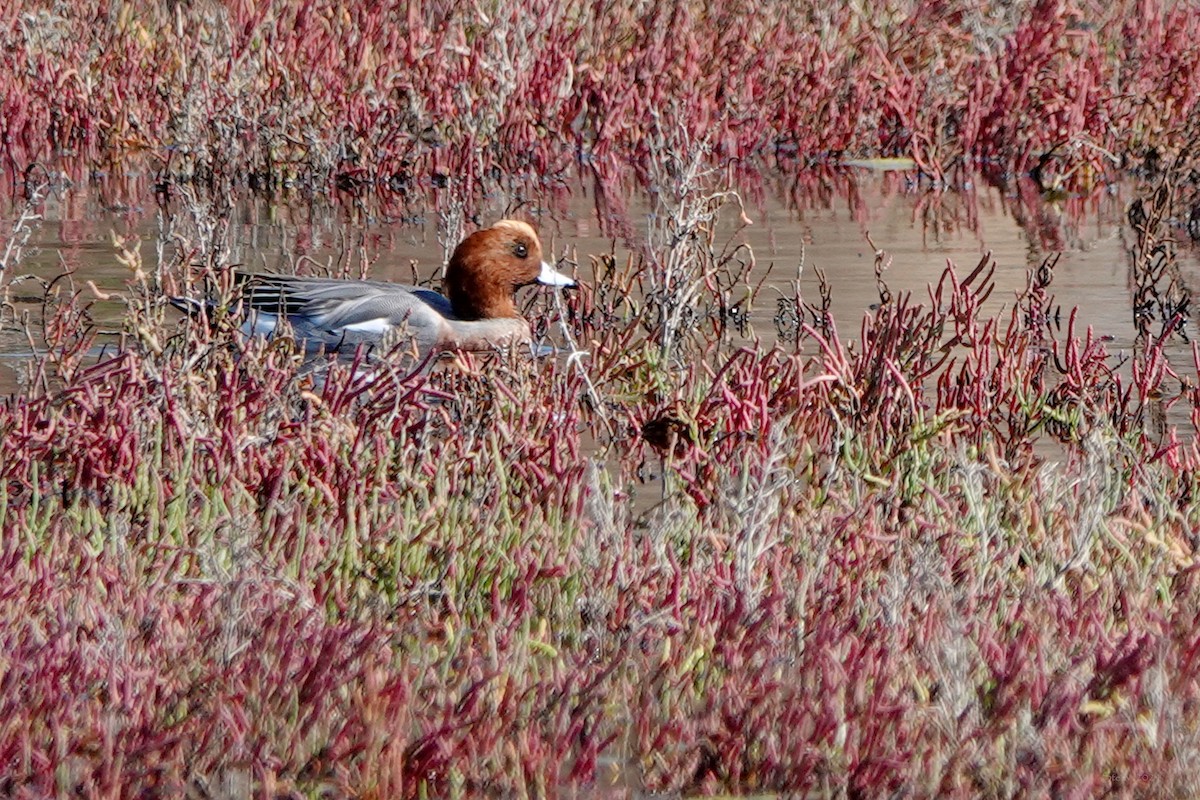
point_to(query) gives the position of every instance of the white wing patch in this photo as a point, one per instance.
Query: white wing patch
(378, 326)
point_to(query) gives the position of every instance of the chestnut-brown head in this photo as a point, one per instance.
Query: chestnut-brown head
(489, 266)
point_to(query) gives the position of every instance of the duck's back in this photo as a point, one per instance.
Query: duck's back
(337, 316)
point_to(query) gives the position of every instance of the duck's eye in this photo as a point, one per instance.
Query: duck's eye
(520, 250)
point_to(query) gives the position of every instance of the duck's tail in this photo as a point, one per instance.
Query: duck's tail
(192, 307)
(207, 307)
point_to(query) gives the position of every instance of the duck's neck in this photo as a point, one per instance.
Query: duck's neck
(476, 306)
(477, 295)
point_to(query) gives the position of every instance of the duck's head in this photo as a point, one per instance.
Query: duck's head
(490, 265)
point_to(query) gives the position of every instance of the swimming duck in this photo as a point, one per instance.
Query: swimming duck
(477, 312)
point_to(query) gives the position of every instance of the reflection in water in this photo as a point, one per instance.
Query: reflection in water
(802, 221)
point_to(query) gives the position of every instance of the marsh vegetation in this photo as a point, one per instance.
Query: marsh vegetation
(943, 549)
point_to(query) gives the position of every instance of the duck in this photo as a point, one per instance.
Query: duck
(477, 311)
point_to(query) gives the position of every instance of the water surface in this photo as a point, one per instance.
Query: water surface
(799, 223)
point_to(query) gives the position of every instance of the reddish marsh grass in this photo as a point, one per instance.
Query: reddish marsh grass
(861, 578)
(219, 578)
(382, 95)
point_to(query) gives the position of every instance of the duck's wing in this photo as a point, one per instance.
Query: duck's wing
(335, 315)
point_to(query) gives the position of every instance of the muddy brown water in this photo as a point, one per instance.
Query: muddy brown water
(799, 224)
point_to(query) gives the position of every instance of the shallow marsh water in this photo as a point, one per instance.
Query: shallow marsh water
(799, 224)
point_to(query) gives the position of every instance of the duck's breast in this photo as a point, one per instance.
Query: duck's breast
(486, 334)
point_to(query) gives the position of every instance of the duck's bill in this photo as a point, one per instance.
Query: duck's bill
(552, 277)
